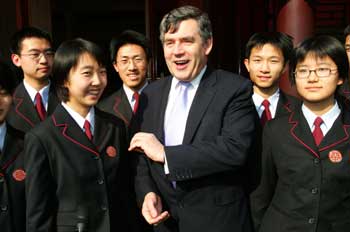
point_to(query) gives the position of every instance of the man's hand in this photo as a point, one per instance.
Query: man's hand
(152, 209)
(148, 144)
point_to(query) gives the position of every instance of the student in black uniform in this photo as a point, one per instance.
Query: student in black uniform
(12, 174)
(267, 56)
(305, 162)
(75, 159)
(34, 98)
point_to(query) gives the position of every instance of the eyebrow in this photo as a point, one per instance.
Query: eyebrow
(38, 50)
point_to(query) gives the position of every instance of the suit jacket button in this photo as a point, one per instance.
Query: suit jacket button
(3, 208)
(100, 181)
(103, 208)
(316, 161)
(311, 220)
(314, 190)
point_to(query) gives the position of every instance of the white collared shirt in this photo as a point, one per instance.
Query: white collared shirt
(44, 92)
(2, 135)
(328, 118)
(129, 93)
(273, 99)
(172, 98)
(81, 120)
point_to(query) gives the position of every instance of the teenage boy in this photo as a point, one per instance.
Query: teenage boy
(267, 55)
(35, 97)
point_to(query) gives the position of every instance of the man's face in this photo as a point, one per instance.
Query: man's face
(185, 52)
(265, 66)
(347, 46)
(35, 58)
(131, 64)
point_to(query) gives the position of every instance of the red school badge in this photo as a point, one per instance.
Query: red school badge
(111, 151)
(19, 175)
(335, 156)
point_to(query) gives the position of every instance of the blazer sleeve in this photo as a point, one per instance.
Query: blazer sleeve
(262, 196)
(217, 150)
(40, 187)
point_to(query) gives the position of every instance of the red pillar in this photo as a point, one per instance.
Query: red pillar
(295, 18)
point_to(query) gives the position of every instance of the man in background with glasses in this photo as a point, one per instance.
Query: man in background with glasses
(34, 98)
(130, 53)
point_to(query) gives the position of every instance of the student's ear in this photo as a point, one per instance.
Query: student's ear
(16, 60)
(340, 81)
(246, 63)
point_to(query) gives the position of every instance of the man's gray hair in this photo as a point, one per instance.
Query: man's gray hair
(170, 22)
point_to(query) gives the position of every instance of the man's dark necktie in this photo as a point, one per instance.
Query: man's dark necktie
(266, 115)
(39, 106)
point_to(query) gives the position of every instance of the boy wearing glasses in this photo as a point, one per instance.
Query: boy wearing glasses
(34, 98)
(130, 53)
(305, 162)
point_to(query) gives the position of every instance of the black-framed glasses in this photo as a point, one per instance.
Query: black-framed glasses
(138, 60)
(304, 73)
(36, 55)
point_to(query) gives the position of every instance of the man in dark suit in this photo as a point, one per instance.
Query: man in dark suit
(35, 97)
(267, 55)
(12, 174)
(197, 128)
(130, 54)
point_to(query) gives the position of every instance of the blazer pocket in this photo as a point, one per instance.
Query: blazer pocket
(228, 196)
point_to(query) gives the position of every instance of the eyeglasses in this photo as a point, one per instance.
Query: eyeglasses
(124, 62)
(36, 55)
(304, 73)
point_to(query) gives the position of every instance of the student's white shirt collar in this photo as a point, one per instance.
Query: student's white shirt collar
(328, 118)
(3, 130)
(81, 120)
(273, 99)
(44, 92)
(129, 93)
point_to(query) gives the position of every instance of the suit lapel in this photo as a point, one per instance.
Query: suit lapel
(301, 132)
(71, 131)
(121, 106)
(283, 105)
(202, 99)
(12, 148)
(102, 132)
(163, 98)
(339, 132)
(24, 106)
